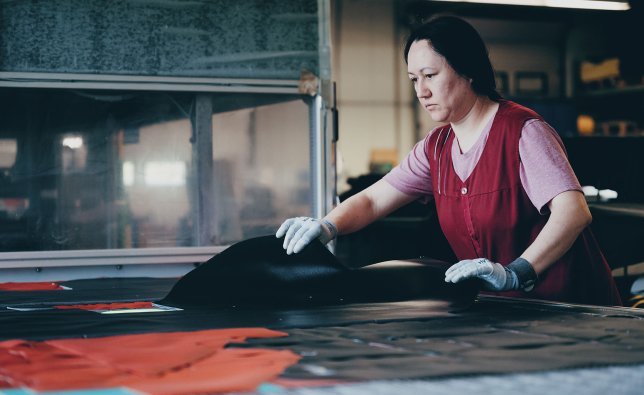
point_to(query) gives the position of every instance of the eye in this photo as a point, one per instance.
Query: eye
(413, 80)
(429, 76)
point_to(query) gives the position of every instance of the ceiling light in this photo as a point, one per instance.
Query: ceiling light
(582, 4)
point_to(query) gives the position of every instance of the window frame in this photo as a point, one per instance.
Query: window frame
(322, 180)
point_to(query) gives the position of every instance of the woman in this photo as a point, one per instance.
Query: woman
(507, 199)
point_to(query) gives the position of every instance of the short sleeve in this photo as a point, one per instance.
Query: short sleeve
(545, 170)
(412, 175)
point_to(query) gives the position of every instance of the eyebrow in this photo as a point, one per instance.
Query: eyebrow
(431, 70)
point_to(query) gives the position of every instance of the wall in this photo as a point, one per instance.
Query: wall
(525, 46)
(374, 94)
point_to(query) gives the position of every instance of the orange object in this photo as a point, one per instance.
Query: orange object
(37, 286)
(155, 363)
(585, 124)
(106, 306)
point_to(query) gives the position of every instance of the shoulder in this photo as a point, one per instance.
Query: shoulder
(513, 110)
(514, 116)
(538, 132)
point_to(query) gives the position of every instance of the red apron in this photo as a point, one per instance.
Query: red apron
(489, 215)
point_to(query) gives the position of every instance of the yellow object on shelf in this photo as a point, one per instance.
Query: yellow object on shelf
(591, 72)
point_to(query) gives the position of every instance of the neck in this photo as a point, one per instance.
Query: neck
(475, 119)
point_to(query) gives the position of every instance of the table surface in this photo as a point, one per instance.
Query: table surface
(374, 343)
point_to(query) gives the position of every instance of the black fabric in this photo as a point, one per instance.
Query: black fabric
(258, 272)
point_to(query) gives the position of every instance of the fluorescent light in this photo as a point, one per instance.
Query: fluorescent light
(590, 4)
(73, 142)
(583, 4)
(128, 174)
(165, 174)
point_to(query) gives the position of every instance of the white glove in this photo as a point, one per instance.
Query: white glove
(494, 275)
(301, 231)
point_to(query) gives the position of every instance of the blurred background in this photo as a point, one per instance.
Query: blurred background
(134, 126)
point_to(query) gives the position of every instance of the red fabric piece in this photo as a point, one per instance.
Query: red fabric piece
(106, 306)
(155, 363)
(35, 286)
(489, 215)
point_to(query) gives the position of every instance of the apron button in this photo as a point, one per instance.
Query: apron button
(463, 191)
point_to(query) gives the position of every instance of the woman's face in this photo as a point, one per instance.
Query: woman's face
(446, 95)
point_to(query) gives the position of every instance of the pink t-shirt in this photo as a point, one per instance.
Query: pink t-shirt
(545, 171)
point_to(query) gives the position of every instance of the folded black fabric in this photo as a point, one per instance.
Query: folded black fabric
(258, 272)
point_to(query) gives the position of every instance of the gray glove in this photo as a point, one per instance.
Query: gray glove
(301, 231)
(517, 275)
(495, 277)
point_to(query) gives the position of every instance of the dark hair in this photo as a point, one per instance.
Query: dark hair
(463, 48)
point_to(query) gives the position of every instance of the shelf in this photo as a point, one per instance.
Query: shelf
(628, 90)
(618, 104)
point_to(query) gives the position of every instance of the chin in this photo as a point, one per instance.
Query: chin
(437, 117)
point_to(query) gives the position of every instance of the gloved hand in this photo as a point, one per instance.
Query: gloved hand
(301, 231)
(495, 277)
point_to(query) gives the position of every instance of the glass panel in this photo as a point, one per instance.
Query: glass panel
(109, 170)
(156, 207)
(261, 161)
(215, 38)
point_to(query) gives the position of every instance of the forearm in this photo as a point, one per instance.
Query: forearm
(569, 216)
(367, 206)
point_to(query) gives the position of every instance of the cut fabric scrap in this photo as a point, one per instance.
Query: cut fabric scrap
(154, 363)
(118, 308)
(106, 306)
(32, 286)
(156, 308)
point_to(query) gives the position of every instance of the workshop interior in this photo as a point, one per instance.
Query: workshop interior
(150, 149)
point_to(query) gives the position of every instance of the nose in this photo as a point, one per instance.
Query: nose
(422, 90)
